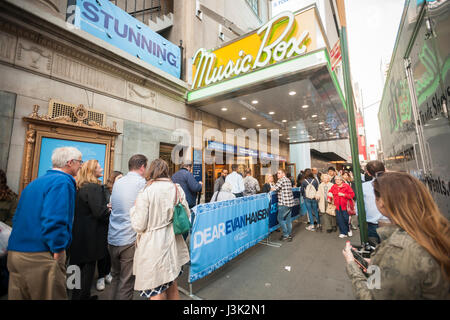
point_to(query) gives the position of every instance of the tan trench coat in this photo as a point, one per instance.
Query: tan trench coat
(159, 254)
(321, 196)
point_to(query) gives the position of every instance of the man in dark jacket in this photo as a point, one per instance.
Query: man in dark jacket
(186, 180)
(220, 180)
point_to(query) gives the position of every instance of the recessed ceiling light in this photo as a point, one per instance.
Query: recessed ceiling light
(283, 120)
(271, 112)
(288, 138)
(321, 122)
(291, 93)
(326, 129)
(314, 116)
(302, 131)
(258, 125)
(244, 118)
(294, 127)
(255, 101)
(224, 109)
(305, 106)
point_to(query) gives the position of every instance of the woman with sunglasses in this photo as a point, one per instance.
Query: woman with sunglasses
(413, 258)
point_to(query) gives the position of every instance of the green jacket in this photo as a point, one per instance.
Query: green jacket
(7, 210)
(407, 270)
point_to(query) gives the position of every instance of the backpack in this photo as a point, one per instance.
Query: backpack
(310, 191)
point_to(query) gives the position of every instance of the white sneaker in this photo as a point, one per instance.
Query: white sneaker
(101, 284)
(310, 228)
(342, 236)
(108, 278)
(350, 233)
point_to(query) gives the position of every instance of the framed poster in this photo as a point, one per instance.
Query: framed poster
(89, 150)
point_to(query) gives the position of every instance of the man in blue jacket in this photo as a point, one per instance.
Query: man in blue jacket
(187, 182)
(42, 231)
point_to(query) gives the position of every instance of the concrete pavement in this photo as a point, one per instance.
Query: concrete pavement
(310, 267)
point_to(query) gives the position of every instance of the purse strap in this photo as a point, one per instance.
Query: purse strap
(177, 199)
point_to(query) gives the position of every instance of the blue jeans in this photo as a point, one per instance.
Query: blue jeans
(313, 210)
(284, 218)
(342, 221)
(372, 231)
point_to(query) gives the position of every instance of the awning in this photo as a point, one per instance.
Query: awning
(300, 97)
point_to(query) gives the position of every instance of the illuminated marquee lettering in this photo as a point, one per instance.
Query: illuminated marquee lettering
(279, 49)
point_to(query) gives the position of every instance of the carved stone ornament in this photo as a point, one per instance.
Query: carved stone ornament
(80, 114)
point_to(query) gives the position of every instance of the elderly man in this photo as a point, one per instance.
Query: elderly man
(42, 231)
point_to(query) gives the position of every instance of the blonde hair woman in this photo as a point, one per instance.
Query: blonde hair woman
(326, 208)
(160, 253)
(414, 255)
(90, 226)
(268, 183)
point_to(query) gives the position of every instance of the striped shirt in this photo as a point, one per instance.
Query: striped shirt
(285, 195)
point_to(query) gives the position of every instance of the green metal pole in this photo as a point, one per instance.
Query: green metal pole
(353, 137)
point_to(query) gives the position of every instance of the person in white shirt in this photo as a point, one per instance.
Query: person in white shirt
(373, 215)
(236, 181)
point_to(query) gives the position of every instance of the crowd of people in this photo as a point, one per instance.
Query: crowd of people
(123, 227)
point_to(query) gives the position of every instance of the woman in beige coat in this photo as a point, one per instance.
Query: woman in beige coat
(160, 253)
(328, 216)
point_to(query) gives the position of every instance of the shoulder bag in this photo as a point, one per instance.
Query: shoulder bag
(181, 223)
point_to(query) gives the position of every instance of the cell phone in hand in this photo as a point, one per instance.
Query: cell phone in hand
(359, 259)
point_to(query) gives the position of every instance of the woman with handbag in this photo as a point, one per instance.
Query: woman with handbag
(160, 253)
(342, 194)
(326, 208)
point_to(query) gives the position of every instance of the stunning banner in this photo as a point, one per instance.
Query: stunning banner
(104, 20)
(222, 230)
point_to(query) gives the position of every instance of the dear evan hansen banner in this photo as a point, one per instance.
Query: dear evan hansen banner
(222, 230)
(108, 22)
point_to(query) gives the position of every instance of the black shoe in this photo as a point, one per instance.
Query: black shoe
(329, 230)
(289, 239)
(334, 229)
(93, 297)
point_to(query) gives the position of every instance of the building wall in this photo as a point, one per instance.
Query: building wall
(46, 60)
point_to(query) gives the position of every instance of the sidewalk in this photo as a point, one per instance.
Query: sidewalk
(314, 259)
(317, 270)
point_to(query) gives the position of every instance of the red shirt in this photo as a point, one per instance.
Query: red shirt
(339, 201)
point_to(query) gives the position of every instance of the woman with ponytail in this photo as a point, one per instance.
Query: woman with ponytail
(414, 255)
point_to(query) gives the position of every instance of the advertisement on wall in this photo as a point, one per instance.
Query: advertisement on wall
(108, 22)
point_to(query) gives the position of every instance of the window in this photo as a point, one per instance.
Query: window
(254, 5)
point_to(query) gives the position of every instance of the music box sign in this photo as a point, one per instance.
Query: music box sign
(284, 36)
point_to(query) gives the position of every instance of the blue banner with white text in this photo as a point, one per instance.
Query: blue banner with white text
(104, 20)
(223, 230)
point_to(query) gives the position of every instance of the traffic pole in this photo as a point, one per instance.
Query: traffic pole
(353, 137)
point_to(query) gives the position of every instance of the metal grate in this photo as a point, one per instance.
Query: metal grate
(58, 108)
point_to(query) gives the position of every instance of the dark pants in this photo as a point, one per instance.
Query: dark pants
(122, 285)
(372, 231)
(87, 277)
(104, 266)
(342, 221)
(4, 276)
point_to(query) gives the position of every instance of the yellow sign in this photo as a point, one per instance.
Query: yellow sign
(282, 37)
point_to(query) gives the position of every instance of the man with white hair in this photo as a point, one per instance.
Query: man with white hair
(42, 231)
